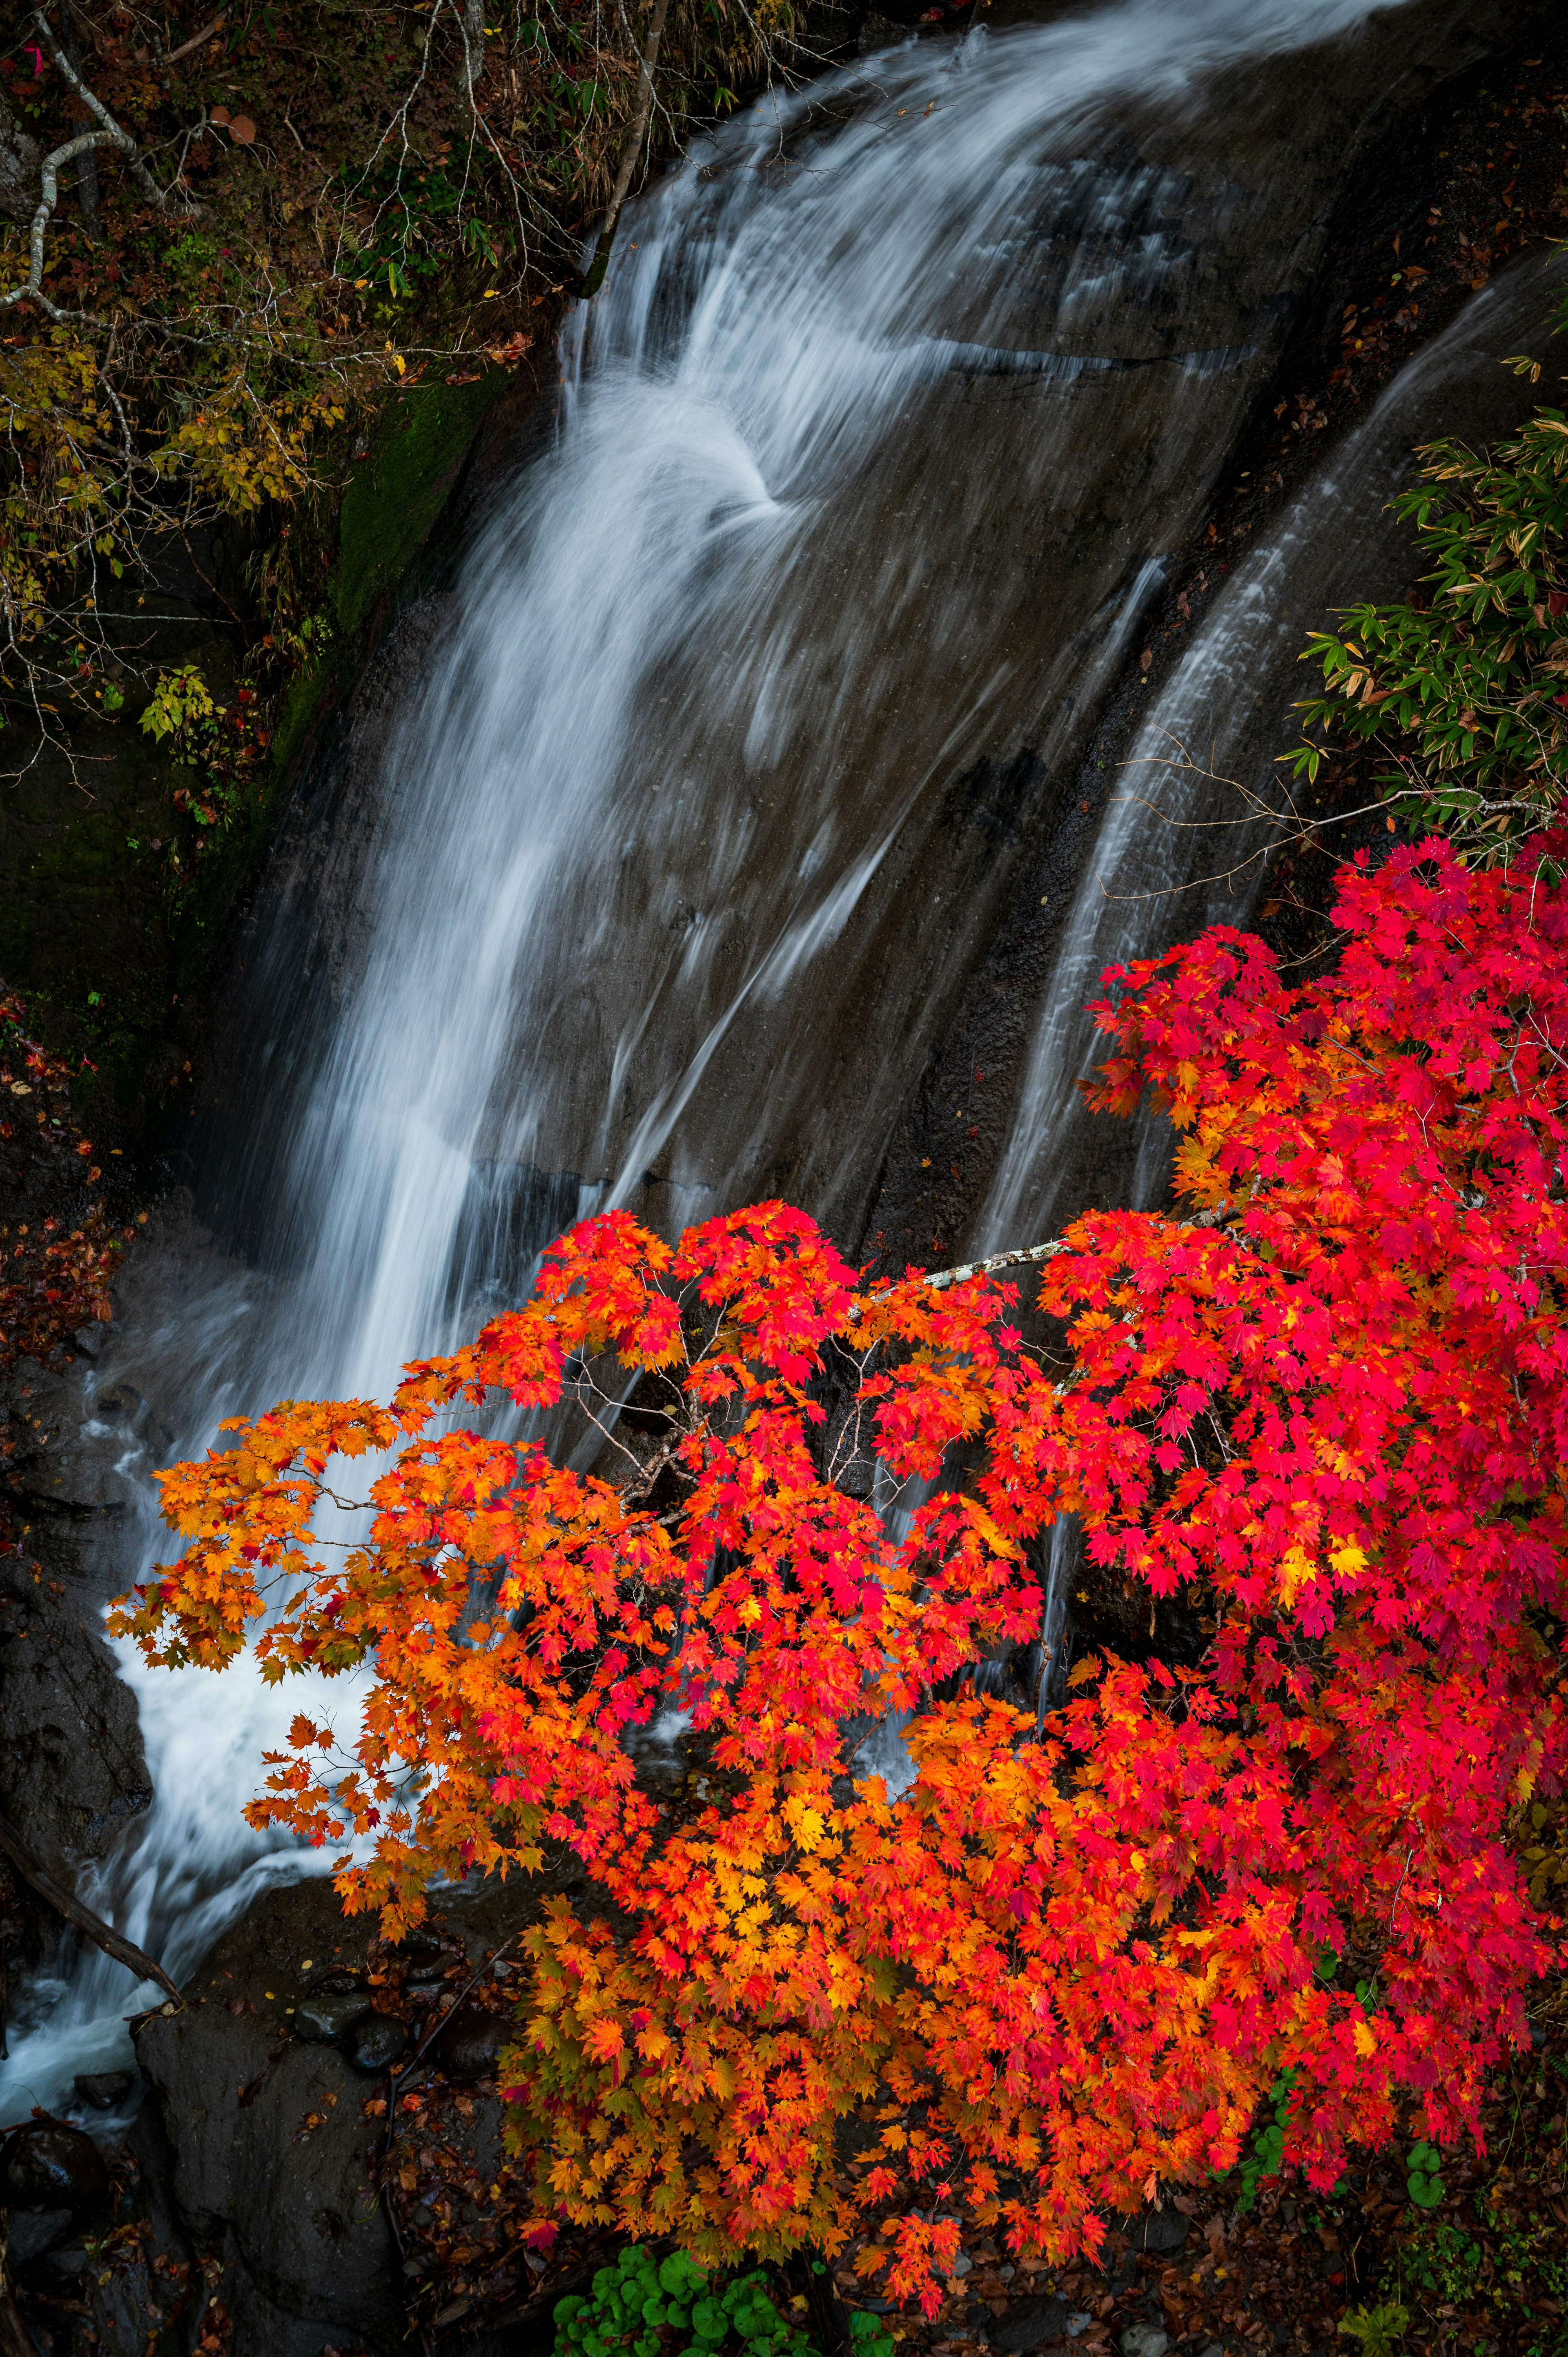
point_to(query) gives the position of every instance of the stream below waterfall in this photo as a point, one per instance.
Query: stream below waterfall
(869, 462)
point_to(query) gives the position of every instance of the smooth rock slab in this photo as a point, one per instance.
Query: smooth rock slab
(104, 2090)
(32, 2232)
(470, 2045)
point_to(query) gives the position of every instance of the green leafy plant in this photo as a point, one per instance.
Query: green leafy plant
(1469, 691)
(215, 745)
(634, 2303)
(1425, 2181)
(1267, 2156)
(1443, 2261)
(179, 704)
(1378, 2330)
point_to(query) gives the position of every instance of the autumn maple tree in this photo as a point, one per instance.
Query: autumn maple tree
(1320, 1406)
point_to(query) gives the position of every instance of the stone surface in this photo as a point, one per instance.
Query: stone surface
(323, 2017)
(376, 2041)
(1028, 2325)
(51, 2168)
(104, 2090)
(1153, 2229)
(266, 2141)
(72, 1772)
(1144, 2341)
(470, 2045)
(31, 2232)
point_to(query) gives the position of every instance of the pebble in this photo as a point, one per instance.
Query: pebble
(51, 2168)
(376, 2041)
(325, 2015)
(1144, 2341)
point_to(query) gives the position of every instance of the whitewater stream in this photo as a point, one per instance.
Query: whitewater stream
(867, 465)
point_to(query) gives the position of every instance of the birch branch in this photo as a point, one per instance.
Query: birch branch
(109, 134)
(633, 148)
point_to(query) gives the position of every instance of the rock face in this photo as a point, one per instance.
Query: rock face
(71, 1767)
(268, 2145)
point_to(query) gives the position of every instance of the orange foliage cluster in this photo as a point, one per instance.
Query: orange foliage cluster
(1325, 1408)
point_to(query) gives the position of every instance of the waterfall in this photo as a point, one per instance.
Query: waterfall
(864, 461)
(1178, 849)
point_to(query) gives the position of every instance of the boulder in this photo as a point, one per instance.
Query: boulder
(104, 2090)
(375, 2042)
(269, 2146)
(32, 2232)
(470, 2045)
(325, 2015)
(1153, 2229)
(51, 2168)
(72, 1771)
(1028, 2325)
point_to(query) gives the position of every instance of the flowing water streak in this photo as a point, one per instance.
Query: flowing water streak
(687, 569)
(1164, 866)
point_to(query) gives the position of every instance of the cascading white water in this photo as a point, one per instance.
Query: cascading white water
(713, 671)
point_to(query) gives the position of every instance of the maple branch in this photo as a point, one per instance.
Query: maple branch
(196, 40)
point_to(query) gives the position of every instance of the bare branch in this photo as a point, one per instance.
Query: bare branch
(633, 148)
(114, 134)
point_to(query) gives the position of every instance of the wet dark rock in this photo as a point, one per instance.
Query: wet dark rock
(427, 1971)
(34, 2232)
(72, 1771)
(1153, 2229)
(51, 2168)
(375, 2042)
(64, 2265)
(324, 2016)
(290, 2208)
(420, 1942)
(104, 2090)
(1028, 2325)
(470, 2045)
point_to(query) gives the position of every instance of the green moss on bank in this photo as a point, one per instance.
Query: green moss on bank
(398, 487)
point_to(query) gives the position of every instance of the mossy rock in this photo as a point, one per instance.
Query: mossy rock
(399, 483)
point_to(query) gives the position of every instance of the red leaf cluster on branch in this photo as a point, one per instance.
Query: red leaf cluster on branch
(1324, 1409)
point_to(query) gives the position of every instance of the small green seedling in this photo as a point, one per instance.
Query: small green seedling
(1378, 2330)
(1424, 2182)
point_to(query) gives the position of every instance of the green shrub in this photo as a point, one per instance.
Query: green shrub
(637, 2301)
(1468, 692)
